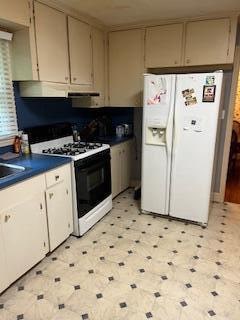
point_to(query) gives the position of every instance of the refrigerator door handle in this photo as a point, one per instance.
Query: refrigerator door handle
(169, 139)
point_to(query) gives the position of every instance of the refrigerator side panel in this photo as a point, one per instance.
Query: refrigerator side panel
(157, 142)
(195, 126)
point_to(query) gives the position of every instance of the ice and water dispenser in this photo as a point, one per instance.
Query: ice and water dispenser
(156, 132)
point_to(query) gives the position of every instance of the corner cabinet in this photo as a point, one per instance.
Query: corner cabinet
(52, 44)
(121, 162)
(126, 68)
(80, 51)
(164, 46)
(208, 42)
(23, 228)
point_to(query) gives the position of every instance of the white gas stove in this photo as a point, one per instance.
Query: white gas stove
(91, 171)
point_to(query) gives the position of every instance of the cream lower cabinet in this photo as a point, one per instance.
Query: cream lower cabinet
(121, 160)
(59, 205)
(28, 227)
(4, 278)
(23, 229)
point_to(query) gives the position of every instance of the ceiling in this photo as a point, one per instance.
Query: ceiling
(120, 12)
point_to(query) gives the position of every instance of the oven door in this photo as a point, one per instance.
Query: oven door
(93, 181)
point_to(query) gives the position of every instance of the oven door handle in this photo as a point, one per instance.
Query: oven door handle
(92, 167)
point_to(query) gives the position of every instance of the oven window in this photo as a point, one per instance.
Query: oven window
(95, 179)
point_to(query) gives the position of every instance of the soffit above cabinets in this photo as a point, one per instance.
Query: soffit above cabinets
(124, 12)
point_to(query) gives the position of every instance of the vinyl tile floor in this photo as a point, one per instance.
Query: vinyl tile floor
(136, 266)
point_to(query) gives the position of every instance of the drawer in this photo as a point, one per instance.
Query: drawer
(57, 175)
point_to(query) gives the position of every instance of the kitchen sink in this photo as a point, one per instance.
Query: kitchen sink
(7, 170)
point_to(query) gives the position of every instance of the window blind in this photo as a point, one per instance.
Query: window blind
(8, 118)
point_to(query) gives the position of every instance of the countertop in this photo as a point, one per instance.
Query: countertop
(113, 140)
(34, 164)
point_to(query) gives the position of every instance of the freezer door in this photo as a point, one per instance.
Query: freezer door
(195, 126)
(157, 142)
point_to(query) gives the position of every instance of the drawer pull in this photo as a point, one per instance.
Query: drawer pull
(57, 178)
(51, 195)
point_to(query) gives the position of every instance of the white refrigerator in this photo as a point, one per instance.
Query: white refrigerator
(180, 120)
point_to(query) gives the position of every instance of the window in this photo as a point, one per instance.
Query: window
(8, 118)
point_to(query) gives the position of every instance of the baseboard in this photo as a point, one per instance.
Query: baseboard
(217, 197)
(135, 183)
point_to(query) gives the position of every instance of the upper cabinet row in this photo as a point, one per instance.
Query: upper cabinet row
(205, 42)
(60, 49)
(133, 52)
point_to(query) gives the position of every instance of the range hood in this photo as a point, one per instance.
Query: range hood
(83, 94)
(43, 89)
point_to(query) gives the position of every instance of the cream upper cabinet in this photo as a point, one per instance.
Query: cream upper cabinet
(15, 11)
(163, 46)
(80, 50)
(207, 42)
(126, 67)
(52, 44)
(99, 72)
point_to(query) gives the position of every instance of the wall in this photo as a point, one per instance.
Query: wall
(40, 111)
(236, 115)
(227, 82)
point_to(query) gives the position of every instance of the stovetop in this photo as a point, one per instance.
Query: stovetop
(65, 147)
(73, 149)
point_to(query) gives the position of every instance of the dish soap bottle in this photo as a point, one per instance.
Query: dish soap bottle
(25, 144)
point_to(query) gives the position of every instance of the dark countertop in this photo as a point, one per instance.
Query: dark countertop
(113, 140)
(34, 164)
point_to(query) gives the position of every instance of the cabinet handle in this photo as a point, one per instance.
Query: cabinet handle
(51, 195)
(74, 79)
(7, 217)
(66, 78)
(56, 178)
(175, 62)
(188, 60)
(66, 191)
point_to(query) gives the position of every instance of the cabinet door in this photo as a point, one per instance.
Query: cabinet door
(4, 278)
(163, 47)
(99, 65)
(52, 44)
(80, 49)
(116, 170)
(58, 213)
(126, 157)
(24, 235)
(126, 67)
(207, 42)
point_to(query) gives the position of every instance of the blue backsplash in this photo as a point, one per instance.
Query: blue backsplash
(40, 111)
